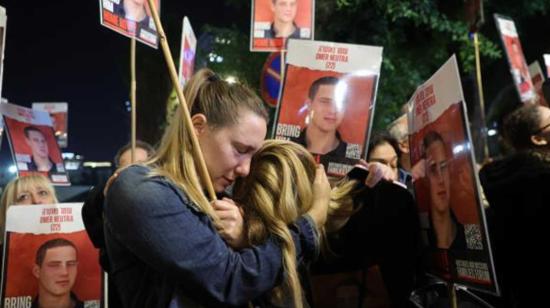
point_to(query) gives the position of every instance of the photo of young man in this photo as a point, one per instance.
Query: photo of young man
(273, 22)
(326, 113)
(56, 269)
(40, 158)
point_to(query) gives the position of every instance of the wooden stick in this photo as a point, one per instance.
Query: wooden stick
(202, 170)
(133, 87)
(481, 99)
(283, 67)
(452, 294)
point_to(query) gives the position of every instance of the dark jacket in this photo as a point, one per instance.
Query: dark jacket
(518, 191)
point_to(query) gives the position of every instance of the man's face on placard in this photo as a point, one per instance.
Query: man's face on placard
(57, 273)
(325, 114)
(37, 142)
(437, 169)
(284, 11)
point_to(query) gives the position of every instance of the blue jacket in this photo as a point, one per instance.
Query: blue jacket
(165, 252)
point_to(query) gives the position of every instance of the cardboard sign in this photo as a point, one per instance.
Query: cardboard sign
(538, 79)
(273, 22)
(60, 118)
(516, 59)
(547, 64)
(447, 188)
(3, 19)
(47, 251)
(33, 143)
(130, 18)
(187, 52)
(327, 100)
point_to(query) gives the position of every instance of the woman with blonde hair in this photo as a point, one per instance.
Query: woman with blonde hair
(279, 189)
(31, 189)
(164, 237)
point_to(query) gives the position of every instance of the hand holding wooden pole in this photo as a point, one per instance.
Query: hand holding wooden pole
(197, 154)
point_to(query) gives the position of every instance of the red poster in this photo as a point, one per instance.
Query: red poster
(273, 22)
(538, 79)
(187, 52)
(131, 18)
(49, 257)
(60, 117)
(327, 100)
(516, 59)
(447, 189)
(33, 144)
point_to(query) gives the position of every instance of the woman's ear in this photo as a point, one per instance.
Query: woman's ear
(200, 123)
(538, 140)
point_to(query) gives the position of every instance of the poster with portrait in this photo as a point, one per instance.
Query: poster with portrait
(327, 100)
(49, 257)
(447, 189)
(131, 18)
(516, 59)
(273, 22)
(59, 113)
(538, 79)
(547, 64)
(3, 20)
(33, 144)
(187, 52)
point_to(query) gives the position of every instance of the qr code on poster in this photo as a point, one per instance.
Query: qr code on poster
(473, 237)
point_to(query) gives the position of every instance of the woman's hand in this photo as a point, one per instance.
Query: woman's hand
(321, 197)
(231, 226)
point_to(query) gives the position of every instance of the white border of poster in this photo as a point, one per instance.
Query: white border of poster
(547, 64)
(30, 229)
(354, 72)
(58, 111)
(17, 120)
(187, 55)
(145, 31)
(516, 59)
(436, 106)
(261, 31)
(3, 24)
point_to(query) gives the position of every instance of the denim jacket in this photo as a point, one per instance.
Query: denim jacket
(165, 252)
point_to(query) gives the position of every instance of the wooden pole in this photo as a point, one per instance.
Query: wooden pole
(452, 295)
(133, 88)
(199, 159)
(283, 67)
(481, 99)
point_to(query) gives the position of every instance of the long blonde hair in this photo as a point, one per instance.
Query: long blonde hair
(17, 185)
(221, 104)
(277, 191)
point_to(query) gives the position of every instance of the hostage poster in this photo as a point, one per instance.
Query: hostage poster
(60, 117)
(33, 144)
(48, 257)
(187, 52)
(446, 184)
(274, 22)
(538, 79)
(327, 100)
(131, 18)
(516, 59)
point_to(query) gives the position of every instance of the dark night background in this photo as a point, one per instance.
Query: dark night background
(58, 51)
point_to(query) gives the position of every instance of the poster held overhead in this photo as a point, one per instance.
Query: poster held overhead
(48, 256)
(60, 117)
(273, 22)
(3, 20)
(547, 64)
(516, 59)
(327, 100)
(33, 144)
(451, 214)
(538, 79)
(187, 52)
(130, 18)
